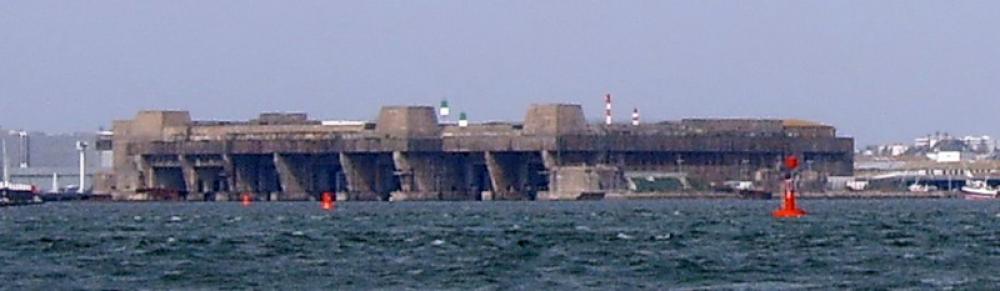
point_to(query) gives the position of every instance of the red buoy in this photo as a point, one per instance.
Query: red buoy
(246, 199)
(328, 203)
(788, 208)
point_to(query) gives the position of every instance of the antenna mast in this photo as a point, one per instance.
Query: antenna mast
(6, 170)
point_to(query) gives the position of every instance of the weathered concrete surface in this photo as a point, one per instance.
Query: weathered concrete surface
(507, 176)
(407, 155)
(407, 122)
(554, 119)
(361, 175)
(570, 182)
(295, 174)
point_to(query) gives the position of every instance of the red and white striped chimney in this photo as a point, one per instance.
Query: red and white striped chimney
(607, 109)
(635, 116)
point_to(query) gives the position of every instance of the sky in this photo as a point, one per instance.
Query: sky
(880, 71)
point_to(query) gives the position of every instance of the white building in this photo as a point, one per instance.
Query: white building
(980, 144)
(894, 149)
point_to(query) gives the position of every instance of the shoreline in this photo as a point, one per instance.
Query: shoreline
(619, 196)
(777, 196)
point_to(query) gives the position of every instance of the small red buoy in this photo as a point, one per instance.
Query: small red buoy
(328, 203)
(246, 199)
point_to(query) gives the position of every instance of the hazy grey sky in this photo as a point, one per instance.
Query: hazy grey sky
(878, 70)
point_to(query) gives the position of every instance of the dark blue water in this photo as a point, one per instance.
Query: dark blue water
(934, 244)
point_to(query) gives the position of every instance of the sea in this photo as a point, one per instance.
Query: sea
(588, 245)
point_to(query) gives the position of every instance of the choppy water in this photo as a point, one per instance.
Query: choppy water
(934, 244)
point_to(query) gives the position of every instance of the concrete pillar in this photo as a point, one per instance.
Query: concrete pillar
(404, 171)
(572, 182)
(255, 174)
(209, 189)
(504, 176)
(197, 182)
(361, 175)
(190, 174)
(549, 159)
(411, 186)
(498, 179)
(295, 176)
(146, 178)
(551, 163)
(429, 176)
(229, 168)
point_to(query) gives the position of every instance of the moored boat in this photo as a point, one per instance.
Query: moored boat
(980, 190)
(754, 194)
(921, 188)
(745, 190)
(18, 194)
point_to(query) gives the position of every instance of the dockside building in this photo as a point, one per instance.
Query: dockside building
(407, 154)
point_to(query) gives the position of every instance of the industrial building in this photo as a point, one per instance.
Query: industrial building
(51, 162)
(407, 154)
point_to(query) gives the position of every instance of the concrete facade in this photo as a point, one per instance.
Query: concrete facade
(407, 155)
